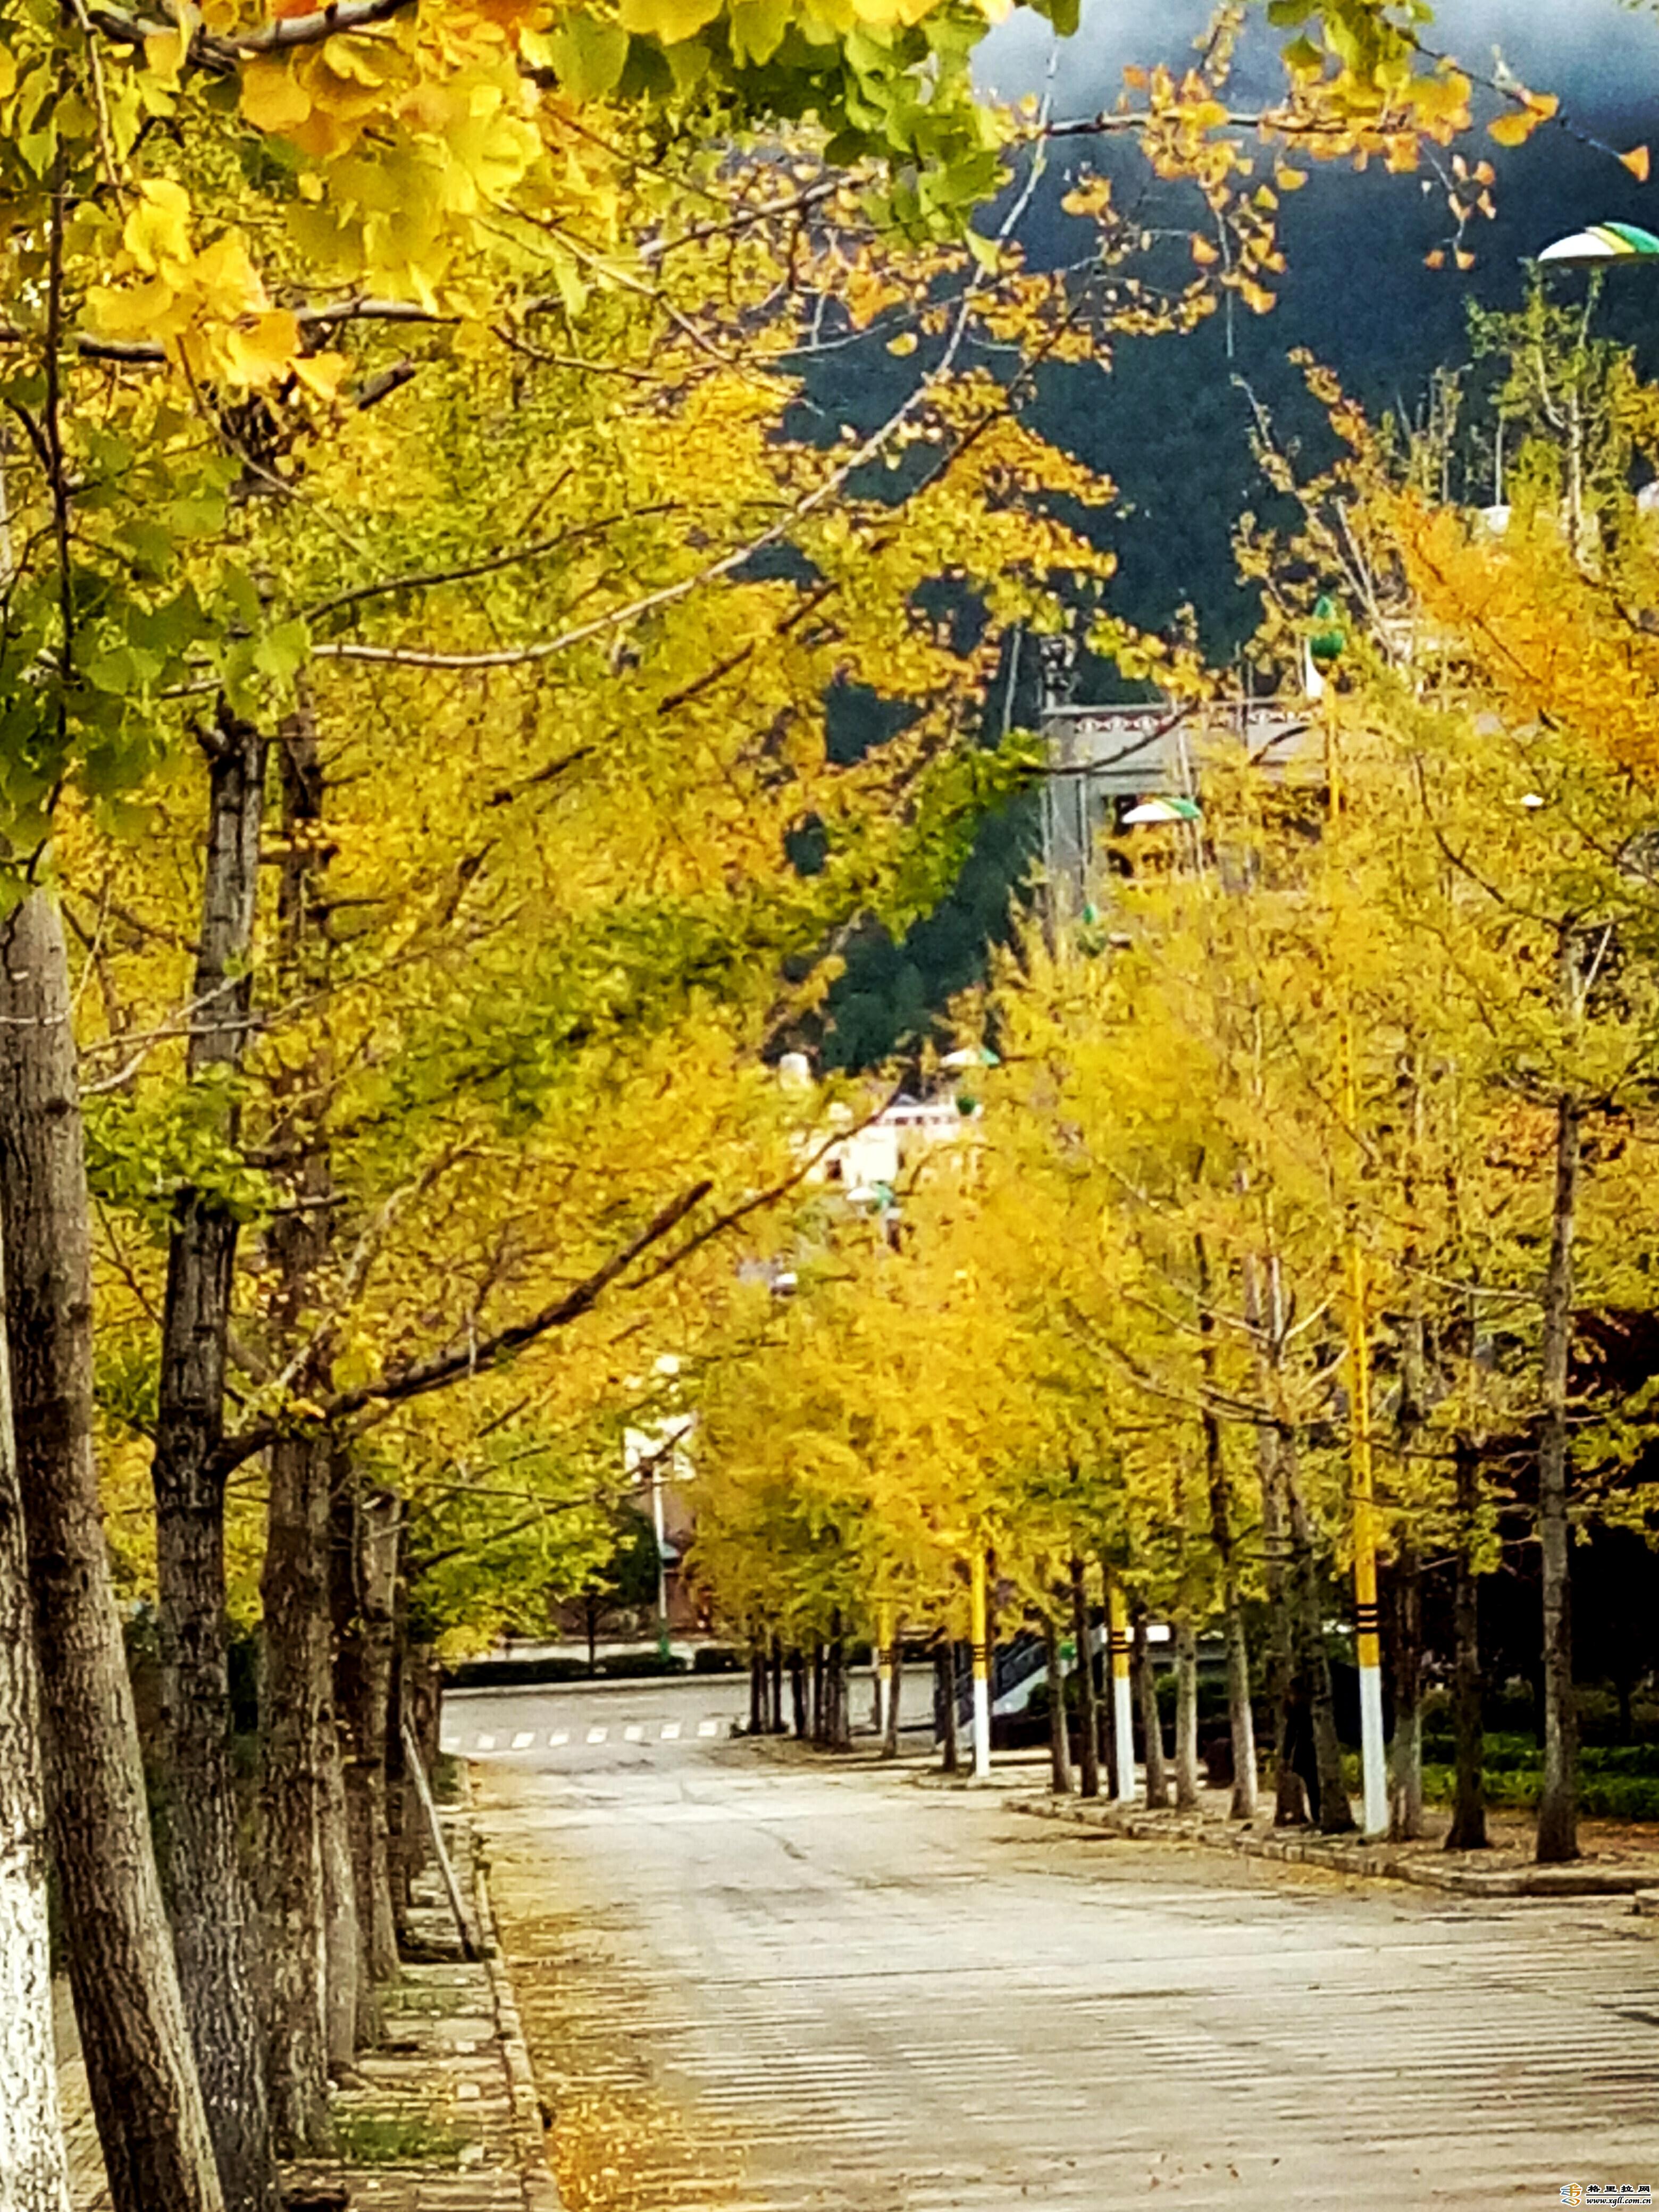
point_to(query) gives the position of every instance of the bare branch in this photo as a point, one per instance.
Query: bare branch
(415, 1380)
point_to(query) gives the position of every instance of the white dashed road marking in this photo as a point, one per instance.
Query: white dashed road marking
(670, 1732)
(632, 1735)
(708, 1728)
(598, 1734)
(558, 1736)
(486, 1743)
(523, 1740)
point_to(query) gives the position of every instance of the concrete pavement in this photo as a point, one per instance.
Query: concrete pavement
(598, 1726)
(774, 1984)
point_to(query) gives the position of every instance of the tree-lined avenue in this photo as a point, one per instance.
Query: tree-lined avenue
(815, 1986)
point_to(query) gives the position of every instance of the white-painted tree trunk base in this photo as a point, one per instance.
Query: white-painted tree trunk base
(1373, 1758)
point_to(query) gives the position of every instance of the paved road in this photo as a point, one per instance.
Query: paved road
(783, 1986)
(599, 1727)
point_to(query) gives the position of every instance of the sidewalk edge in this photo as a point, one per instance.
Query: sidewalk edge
(541, 2191)
(1377, 1861)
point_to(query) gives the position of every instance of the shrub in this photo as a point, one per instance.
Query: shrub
(627, 1665)
(715, 1659)
(1601, 1796)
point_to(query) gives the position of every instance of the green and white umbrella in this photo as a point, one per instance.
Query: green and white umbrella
(1603, 242)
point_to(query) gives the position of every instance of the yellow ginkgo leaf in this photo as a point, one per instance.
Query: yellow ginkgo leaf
(273, 99)
(1203, 253)
(321, 373)
(164, 55)
(260, 352)
(668, 21)
(158, 228)
(1516, 127)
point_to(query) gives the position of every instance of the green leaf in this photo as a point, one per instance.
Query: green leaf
(587, 56)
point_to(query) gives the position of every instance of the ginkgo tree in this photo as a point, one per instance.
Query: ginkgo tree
(216, 224)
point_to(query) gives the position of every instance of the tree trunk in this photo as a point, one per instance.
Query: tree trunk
(1241, 1719)
(756, 1684)
(421, 1704)
(1467, 1831)
(951, 1754)
(1111, 1750)
(206, 1893)
(347, 2008)
(34, 2171)
(591, 1608)
(1313, 1659)
(1290, 1804)
(297, 1718)
(368, 1529)
(894, 1691)
(1405, 1749)
(1060, 1750)
(798, 1691)
(303, 1798)
(820, 1715)
(398, 1787)
(776, 1722)
(840, 1728)
(1088, 1719)
(1151, 1728)
(1186, 1752)
(1557, 1804)
(145, 2091)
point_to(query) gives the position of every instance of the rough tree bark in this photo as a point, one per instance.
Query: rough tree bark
(952, 1742)
(1313, 1661)
(1467, 1831)
(1060, 1750)
(896, 1692)
(950, 1753)
(1241, 1720)
(840, 1722)
(798, 1692)
(1151, 1728)
(301, 1792)
(1186, 1744)
(756, 1683)
(820, 1711)
(1405, 1746)
(1557, 1804)
(347, 2009)
(368, 1539)
(297, 1714)
(34, 2171)
(776, 1722)
(1111, 1750)
(145, 2092)
(1088, 1720)
(1262, 1313)
(206, 1892)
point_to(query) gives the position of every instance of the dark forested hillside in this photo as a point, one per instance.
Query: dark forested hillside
(1170, 423)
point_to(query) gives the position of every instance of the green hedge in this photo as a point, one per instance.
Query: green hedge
(1503, 1754)
(1600, 1796)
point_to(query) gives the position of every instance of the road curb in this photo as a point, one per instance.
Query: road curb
(1379, 1862)
(541, 2191)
